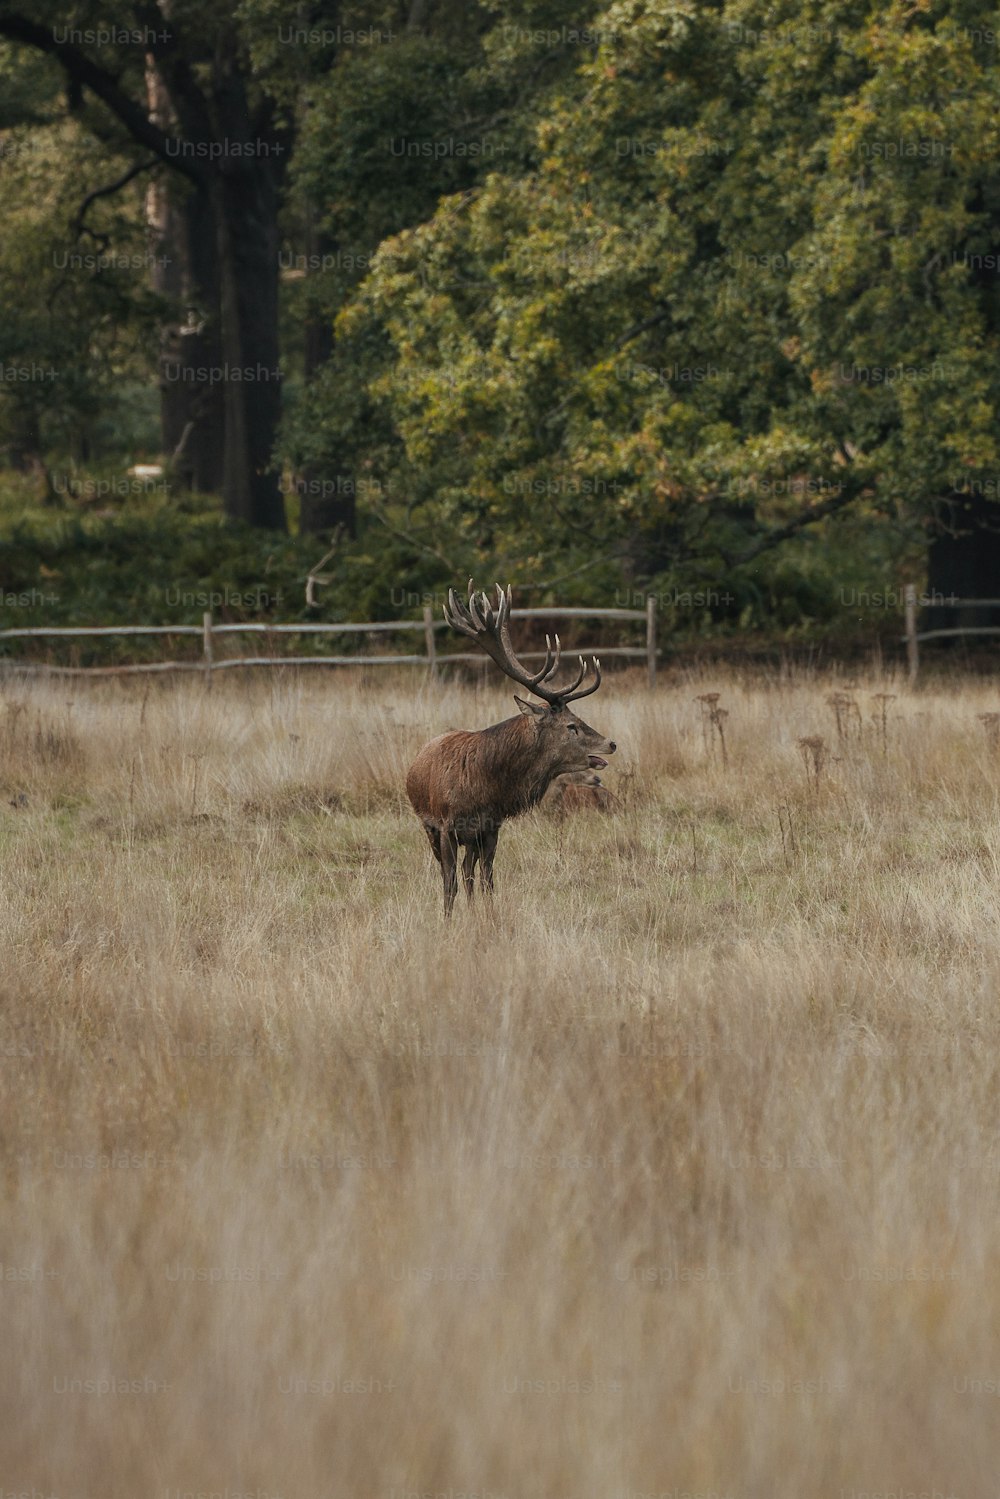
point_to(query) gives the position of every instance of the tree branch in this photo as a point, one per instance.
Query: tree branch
(615, 553)
(412, 540)
(650, 322)
(845, 496)
(186, 97)
(108, 191)
(81, 70)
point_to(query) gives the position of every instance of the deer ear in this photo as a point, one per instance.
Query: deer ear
(536, 708)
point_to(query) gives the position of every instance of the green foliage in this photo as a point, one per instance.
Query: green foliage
(697, 298)
(122, 550)
(740, 281)
(386, 133)
(79, 323)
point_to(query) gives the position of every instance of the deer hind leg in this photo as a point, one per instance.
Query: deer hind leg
(469, 867)
(449, 867)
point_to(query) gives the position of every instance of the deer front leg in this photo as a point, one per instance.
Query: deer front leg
(487, 850)
(434, 838)
(469, 868)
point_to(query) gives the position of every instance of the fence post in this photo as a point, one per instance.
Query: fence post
(429, 639)
(912, 650)
(206, 637)
(651, 639)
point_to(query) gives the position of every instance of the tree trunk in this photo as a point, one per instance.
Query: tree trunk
(318, 339)
(186, 273)
(233, 153)
(25, 447)
(964, 554)
(191, 409)
(964, 560)
(327, 500)
(246, 215)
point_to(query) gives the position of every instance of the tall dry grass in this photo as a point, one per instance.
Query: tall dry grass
(677, 1173)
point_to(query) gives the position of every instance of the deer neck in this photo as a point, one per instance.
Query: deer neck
(520, 770)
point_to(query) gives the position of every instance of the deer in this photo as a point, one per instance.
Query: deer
(464, 785)
(579, 791)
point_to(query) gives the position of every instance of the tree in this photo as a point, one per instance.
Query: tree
(229, 143)
(733, 295)
(78, 314)
(384, 133)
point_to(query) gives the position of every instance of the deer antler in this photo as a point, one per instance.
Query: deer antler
(487, 625)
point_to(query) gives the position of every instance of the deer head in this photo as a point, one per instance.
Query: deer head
(563, 741)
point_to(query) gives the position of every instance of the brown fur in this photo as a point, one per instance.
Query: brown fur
(578, 792)
(464, 785)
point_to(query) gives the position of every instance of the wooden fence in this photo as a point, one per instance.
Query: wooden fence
(210, 633)
(914, 636)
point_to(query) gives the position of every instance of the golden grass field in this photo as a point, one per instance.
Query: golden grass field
(676, 1174)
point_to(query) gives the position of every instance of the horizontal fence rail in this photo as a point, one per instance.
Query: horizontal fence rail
(913, 636)
(208, 631)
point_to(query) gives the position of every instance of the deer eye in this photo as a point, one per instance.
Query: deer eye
(571, 728)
